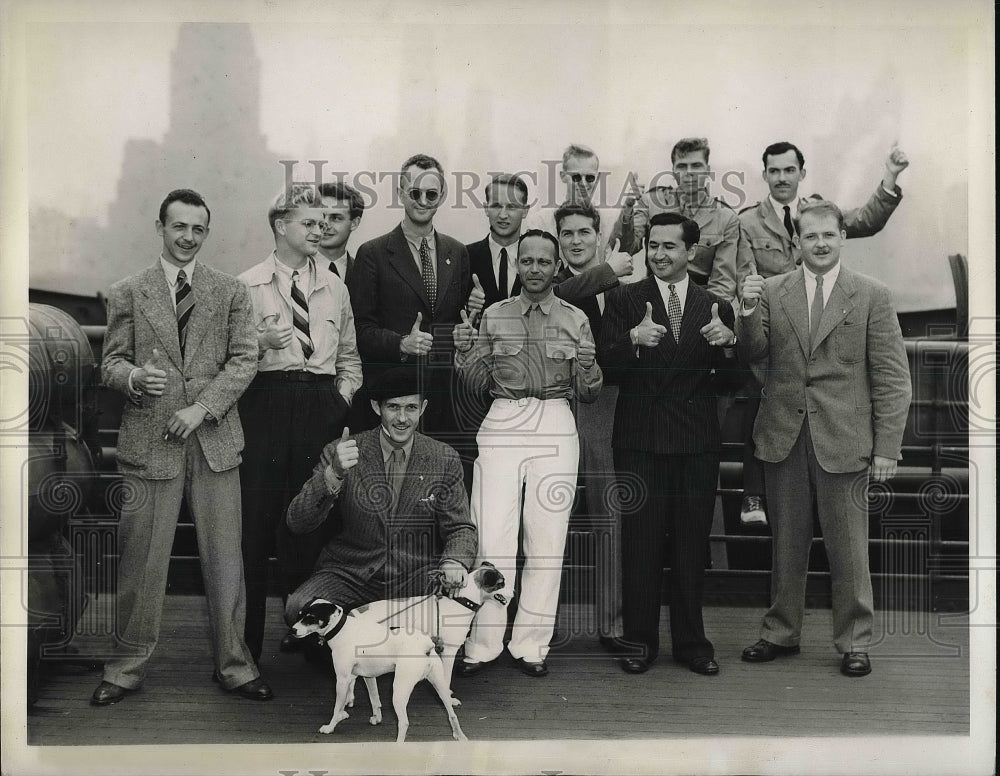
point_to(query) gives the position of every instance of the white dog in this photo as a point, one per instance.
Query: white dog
(415, 637)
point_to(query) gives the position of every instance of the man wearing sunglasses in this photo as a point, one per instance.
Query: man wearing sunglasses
(309, 370)
(715, 261)
(580, 173)
(408, 288)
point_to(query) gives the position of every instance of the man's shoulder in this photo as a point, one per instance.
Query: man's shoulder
(751, 211)
(479, 248)
(502, 307)
(220, 278)
(378, 244)
(577, 314)
(431, 448)
(448, 242)
(258, 274)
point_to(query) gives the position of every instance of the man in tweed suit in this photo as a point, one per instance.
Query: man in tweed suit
(181, 347)
(833, 408)
(664, 338)
(393, 494)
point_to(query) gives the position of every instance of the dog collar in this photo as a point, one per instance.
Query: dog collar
(467, 603)
(329, 635)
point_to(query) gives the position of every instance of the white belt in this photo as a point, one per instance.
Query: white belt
(526, 401)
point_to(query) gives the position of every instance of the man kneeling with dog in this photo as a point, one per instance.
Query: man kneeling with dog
(398, 499)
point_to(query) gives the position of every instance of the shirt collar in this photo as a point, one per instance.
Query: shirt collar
(171, 270)
(545, 305)
(779, 209)
(414, 239)
(387, 446)
(495, 250)
(681, 287)
(829, 279)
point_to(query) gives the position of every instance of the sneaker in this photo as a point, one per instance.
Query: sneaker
(752, 512)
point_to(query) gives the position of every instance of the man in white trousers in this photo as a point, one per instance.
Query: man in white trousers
(534, 353)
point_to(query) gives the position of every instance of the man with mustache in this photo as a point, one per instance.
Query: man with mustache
(309, 371)
(767, 227)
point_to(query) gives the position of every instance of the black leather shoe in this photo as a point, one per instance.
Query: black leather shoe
(764, 651)
(108, 693)
(704, 665)
(466, 668)
(254, 690)
(855, 664)
(289, 643)
(635, 665)
(531, 669)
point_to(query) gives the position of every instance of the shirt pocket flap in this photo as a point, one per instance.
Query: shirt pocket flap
(560, 351)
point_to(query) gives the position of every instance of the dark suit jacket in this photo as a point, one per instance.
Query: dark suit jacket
(481, 265)
(432, 512)
(387, 292)
(350, 266)
(667, 402)
(855, 385)
(220, 360)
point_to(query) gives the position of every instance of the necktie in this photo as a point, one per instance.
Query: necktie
(427, 270)
(300, 317)
(816, 312)
(502, 283)
(185, 304)
(394, 471)
(674, 312)
(788, 221)
(333, 268)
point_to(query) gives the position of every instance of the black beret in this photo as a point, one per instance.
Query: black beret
(396, 382)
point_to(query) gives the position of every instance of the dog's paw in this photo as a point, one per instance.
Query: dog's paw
(455, 701)
(460, 736)
(375, 719)
(326, 729)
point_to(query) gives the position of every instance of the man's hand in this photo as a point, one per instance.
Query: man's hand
(183, 422)
(454, 574)
(416, 343)
(345, 455)
(647, 333)
(464, 334)
(753, 289)
(586, 353)
(715, 331)
(619, 261)
(882, 469)
(894, 165)
(149, 378)
(272, 335)
(477, 297)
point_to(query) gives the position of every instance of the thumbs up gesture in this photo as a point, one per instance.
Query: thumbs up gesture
(897, 161)
(417, 342)
(753, 289)
(345, 455)
(273, 334)
(477, 297)
(648, 334)
(464, 334)
(618, 260)
(715, 331)
(150, 379)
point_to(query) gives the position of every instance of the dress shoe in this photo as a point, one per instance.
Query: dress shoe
(289, 643)
(529, 668)
(752, 511)
(635, 665)
(855, 664)
(764, 651)
(108, 693)
(254, 690)
(467, 668)
(703, 665)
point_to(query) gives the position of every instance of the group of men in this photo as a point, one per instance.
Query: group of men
(544, 353)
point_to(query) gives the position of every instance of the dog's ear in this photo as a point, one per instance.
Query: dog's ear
(492, 579)
(487, 564)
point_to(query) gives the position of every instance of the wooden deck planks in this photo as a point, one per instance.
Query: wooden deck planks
(919, 686)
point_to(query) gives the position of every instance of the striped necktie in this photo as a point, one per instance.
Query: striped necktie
(300, 317)
(184, 305)
(674, 312)
(816, 313)
(427, 270)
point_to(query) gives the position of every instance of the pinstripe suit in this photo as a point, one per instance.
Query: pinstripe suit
(378, 552)
(666, 444)
(220, 359)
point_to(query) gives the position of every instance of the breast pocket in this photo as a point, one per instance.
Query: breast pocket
(769, 254)
(508, 363)
(849, 338)
(559, 357)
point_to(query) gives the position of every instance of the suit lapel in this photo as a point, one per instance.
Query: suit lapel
(416, 480)
(374, 480)
(484, 269)
(446, 261)
(695, 309)
(774, 223)
(402, 261)
(160, 312)
(840, 303)
(792, 299)
(206, 299)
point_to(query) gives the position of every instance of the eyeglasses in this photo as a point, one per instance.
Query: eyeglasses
(430, 195)
(578, 177)
(309, 224)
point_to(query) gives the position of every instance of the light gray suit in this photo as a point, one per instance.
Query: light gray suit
(823, 415)
(220, 360)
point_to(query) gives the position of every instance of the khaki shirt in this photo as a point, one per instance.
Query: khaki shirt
(523, 352)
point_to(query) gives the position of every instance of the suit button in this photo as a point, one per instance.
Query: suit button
(809, 385)
(801, 412)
